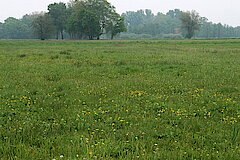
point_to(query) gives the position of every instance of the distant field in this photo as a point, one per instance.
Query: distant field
(135, 99)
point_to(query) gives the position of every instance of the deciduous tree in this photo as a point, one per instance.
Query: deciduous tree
(115, 25)
(43, 26)
(191, 22)
(58, 13)
(92, 18)
(13, 28)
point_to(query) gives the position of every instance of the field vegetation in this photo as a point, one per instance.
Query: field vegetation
(122, 99)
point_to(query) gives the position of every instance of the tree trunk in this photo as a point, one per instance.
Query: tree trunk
(62, 35)
(90, 37)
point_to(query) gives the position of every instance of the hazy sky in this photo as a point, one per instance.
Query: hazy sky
(224, 11)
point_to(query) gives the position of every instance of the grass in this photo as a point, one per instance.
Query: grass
(135, 99)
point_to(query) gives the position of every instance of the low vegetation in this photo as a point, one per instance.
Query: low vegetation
(136, 99)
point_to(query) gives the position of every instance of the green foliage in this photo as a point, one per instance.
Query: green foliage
(92, 18)
(135, 99)
(58, 13)
(212, 30)
(172, 36)
(115, 25)
(144, 22)
(161, 24)
(191, 22)
(1, 31)
(43, 26)
(103, 9)
(81, 19)
(176, 13)
(83, 22)
(13, 28)
(90, 24)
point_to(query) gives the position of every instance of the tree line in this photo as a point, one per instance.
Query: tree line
(79, 19)
(174, 24)
(95, 19)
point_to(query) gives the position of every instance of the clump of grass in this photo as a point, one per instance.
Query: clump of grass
(65, 52)
(235, 134)
(52, 78)
(22, 55)
(54, 57)
(69, 57)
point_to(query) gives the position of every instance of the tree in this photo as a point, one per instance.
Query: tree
(176, 13)
(191, 22)
(115, 25)
(28, 20)
(43, 26)
(90, 24)
(83, 22)
(92, 18)
(1, 31)
(74, 27)
(103, 10)
(13, 28)
(133, 20)
(58, 13)
(144, 22)
(148, 14)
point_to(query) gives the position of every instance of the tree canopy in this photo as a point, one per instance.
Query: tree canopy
(93, 18)
(58, 13)
(140, 25)
(13, 28)
(43, 26)
(191, 22)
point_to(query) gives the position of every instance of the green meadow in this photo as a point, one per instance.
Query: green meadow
(120, 99)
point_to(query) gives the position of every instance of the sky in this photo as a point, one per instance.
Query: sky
(224, 11)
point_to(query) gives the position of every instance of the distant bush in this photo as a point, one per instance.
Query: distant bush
(159, 36)
(172, 36)
(145, 36)
(134, 36)
(149, 36)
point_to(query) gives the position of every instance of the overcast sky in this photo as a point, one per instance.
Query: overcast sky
(224, 11)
